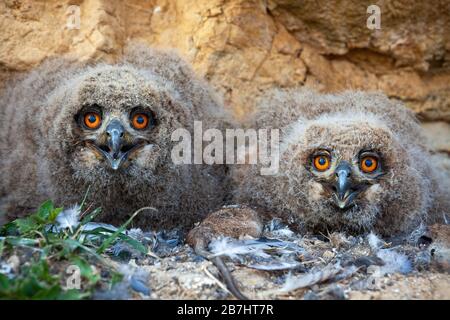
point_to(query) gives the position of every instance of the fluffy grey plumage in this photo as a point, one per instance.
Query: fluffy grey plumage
(48, 152)
(351, 131)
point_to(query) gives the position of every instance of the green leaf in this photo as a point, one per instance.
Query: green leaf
(85, 197)
(18, 241)
(4, 283)
(36, 280)
(2, 246)
(73, 294)
(54, 214)
(113, 237)
(134, 243)
(102, 232)
(26, 225)
(73, 244)
(9, 229)
(91, 216)
(44, 211)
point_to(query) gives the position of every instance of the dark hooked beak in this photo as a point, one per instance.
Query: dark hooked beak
(115, 132)
(345, 190)
(116, 150)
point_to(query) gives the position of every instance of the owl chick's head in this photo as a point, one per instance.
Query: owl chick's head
(346, 169)
(114, 122)
(350, 161)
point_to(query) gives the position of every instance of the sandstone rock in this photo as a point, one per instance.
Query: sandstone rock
(246, 47)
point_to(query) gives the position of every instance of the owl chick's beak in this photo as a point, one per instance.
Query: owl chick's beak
(115, 132)
(116, 150)
(344, 188)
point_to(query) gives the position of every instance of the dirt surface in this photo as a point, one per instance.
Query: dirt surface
(312, 267)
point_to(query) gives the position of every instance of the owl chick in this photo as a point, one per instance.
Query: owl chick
(352, 162)
(68, 127)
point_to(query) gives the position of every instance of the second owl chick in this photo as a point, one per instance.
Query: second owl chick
(352, 162)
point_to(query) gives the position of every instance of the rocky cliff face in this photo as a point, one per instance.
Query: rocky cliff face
(246, 47)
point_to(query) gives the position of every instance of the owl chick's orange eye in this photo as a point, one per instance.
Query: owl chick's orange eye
(369, 164)
(321, 162)
(92, 120)
(140, 121)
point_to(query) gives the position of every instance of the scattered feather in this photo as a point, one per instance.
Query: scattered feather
(329, 273)
(69, 218)
(446, 218)
(233, 248)
(136, 233)
(7, 270)
(260, 254)
(232, 206)
(256, 247)
(375, 242)
(276, 266)
(394, 262)
(135, 279)
(277, 228)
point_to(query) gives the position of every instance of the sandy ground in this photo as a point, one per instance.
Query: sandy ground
(294, 267)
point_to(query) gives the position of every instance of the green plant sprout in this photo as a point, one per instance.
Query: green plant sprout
(46, 249)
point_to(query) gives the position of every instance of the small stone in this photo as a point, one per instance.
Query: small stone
(328, 255)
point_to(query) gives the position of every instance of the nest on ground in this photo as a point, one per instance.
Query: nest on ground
(285, 265)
